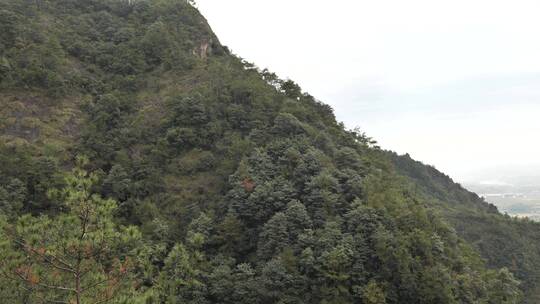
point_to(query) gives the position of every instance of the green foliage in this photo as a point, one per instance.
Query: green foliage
(244, 188)
(503, 241)
(12, 197)
(79, 255)
(373, 294)
(180, 280)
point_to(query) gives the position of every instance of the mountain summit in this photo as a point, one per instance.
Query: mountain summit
(142, 162)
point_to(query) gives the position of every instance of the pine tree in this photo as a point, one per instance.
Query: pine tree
(78, 256)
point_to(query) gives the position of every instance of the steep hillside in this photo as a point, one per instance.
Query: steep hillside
(502, 240)
(211, 181)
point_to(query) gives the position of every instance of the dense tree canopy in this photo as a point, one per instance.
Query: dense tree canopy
(78, 256)
(211, 181)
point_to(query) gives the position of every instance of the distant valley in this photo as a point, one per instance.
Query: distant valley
(517, 197)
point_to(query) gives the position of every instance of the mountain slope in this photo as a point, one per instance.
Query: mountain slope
(501, 240)
(245, 189)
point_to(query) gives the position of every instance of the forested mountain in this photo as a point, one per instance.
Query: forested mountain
(142, 162)
(503, 241)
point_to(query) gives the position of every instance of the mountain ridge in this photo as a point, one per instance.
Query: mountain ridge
(243, 187)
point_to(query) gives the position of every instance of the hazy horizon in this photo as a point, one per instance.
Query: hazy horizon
(455, 85)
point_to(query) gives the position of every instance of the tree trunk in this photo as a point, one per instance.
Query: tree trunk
(78, 288)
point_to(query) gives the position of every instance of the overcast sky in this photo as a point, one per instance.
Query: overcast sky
(456, 84)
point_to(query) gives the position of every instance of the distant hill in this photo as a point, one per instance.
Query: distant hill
(501, 239)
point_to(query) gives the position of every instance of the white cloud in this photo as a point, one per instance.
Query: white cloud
(453, 82)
